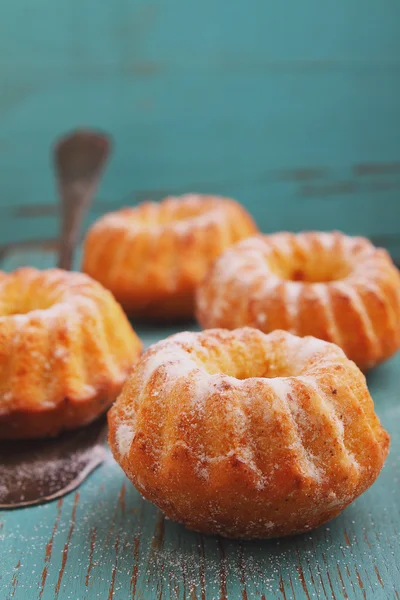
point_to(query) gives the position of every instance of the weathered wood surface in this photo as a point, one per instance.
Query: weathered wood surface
(292, 107)
(105, 542)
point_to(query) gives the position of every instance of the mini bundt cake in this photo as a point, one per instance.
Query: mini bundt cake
(153, 256)
(248, 435)
(338, 288)
(66, 348)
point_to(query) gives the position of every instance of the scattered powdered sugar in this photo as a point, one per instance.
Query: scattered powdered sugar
(36, 469)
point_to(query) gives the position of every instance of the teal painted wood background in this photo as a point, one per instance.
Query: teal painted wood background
(292, 107)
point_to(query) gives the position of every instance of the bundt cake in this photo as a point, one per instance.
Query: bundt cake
(248, 435)
(337, 288)
(153, 256)
(66, 348)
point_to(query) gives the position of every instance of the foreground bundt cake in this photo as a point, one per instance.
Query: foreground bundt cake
(338, 288)
(153, 256)
(66, 348)
(247, 435)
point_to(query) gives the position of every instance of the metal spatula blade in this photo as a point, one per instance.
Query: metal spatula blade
(36, 471)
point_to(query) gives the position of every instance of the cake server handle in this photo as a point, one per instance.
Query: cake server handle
(79, 161)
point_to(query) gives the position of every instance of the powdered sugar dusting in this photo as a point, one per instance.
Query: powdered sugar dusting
(327, 406)
(182, 214)
(261, 318)
(359, 307)
(309, 348)
(327, 240)
(323, 294)
(282, 387)
(287, 402)
(292, 292)
(239, 268)
(174, 359)
(282, 242)
(124, 437)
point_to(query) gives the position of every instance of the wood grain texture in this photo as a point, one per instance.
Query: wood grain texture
(287, 106)
(105, 542)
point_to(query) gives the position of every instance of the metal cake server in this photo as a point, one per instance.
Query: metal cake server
(36, 471)
(79, 160)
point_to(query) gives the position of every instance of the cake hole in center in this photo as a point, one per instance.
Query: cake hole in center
(24, 306)
(316, 277)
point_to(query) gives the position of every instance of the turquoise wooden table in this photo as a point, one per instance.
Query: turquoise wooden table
(103, 541)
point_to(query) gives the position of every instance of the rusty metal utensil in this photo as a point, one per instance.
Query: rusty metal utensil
(79, 160)
(36, 471)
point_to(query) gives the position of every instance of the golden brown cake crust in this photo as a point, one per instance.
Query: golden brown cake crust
(66, 349)
(245, 434)
(337, 288)
(154, 255)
